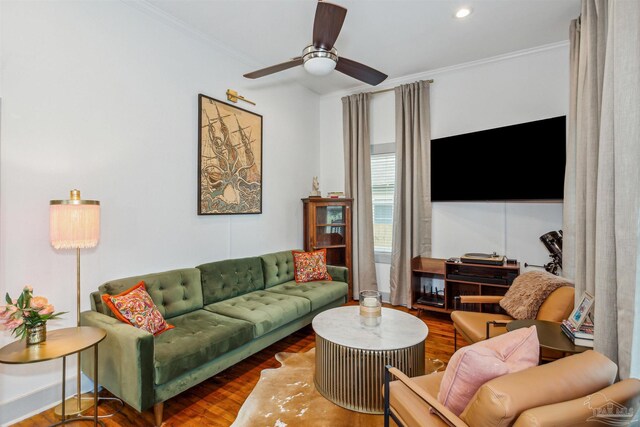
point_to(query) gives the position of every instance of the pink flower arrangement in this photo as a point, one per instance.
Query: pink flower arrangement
(26, 312)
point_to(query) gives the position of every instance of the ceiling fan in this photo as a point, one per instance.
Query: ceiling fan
(320, 57)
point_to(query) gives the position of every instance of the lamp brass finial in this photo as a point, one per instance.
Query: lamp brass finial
(75, 194)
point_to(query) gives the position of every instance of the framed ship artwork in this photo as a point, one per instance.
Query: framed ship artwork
(229, 159)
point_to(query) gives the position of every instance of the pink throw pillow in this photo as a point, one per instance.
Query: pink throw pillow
(472, 366)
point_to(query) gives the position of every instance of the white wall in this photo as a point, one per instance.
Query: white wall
(102, 96)
(510, 89)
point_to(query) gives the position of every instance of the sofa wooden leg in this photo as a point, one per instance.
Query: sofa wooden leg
(157, 413)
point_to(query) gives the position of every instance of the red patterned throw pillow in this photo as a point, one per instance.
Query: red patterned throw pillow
(135, 307)
(310, 266)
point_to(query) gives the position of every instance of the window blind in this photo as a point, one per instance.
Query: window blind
(383, 174)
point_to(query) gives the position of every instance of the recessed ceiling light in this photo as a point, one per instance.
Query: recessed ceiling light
(463, 12)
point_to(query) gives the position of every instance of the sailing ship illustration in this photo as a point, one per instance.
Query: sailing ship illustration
(230, 180)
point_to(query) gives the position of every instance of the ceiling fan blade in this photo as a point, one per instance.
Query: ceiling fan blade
(360, 71)
(327, 24)
(275, 68)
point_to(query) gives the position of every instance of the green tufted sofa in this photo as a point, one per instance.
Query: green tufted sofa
(223, 312)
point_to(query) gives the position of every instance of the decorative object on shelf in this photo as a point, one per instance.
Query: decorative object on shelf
(483, 258)
(370, 308)
(335, 194)
(233, 96)
(582, 310)
(27, 316)
(75, 224)
(229, 159)
(315, 192)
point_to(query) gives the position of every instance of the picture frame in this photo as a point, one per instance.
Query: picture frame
(229, 159)
(581, 312)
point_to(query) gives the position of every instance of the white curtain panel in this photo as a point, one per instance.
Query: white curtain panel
(602, 185)
(412, 198)
(357, 164)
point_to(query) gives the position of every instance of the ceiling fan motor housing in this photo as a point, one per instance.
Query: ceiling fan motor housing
(319, 61)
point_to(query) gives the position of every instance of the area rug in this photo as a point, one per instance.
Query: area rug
(286, 396)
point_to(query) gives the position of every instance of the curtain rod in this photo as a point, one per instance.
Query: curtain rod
(393, 88)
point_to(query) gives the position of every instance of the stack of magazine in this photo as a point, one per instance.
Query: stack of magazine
(582, 337)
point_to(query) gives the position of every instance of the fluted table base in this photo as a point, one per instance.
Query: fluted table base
(353, 377)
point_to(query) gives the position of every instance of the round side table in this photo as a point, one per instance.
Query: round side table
(60, 343)
(550, 335)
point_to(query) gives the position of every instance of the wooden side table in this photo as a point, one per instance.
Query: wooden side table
(550, 335)
(60, 343)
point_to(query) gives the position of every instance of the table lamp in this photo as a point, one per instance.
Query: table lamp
(75, 224)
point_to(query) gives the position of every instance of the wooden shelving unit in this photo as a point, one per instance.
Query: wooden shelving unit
(327, 225)
(459, 279)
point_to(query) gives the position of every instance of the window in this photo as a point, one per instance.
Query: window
(383, 167)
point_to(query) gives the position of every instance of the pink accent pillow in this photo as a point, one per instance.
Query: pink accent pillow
(474, 365)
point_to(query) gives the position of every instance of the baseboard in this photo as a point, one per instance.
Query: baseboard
(39, 400)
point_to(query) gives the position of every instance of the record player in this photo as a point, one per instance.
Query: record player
(482, 258)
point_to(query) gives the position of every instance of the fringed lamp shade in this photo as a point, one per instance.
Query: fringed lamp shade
(74, 223)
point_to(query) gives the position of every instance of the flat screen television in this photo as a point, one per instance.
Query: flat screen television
(519, 162)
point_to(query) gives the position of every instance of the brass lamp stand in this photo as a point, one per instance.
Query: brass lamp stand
(75, 224)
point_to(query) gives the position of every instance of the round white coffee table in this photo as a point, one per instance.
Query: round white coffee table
(350, 357)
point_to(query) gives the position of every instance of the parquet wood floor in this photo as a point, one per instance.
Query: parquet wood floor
(216, 402)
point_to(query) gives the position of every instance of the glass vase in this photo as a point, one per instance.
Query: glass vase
(370, 308)
(36, 334)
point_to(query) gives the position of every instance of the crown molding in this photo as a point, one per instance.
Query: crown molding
(424, 75)
(155, 12)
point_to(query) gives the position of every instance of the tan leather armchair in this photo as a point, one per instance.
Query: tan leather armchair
(576, 390)
(474, 326)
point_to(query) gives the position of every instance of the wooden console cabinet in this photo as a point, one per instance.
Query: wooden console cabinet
(327, 225)
(459, 279)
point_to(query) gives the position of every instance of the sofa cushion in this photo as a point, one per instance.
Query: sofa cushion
(474, 365)
(198, 337)
(174, 292)
(136, 308)
(265, 310)
(318, 293)
(310, 266)
(226, 279)
(278, 268)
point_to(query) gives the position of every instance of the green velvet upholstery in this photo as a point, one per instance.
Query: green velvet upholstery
(184, 382)
(198, 337)
(222, 280)
(318, 293)
(240, 318)
(265, 310)
(278, 268)
(125, 360)
(338, 274)
(174, 292)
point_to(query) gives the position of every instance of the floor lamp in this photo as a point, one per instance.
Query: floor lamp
(75, 224)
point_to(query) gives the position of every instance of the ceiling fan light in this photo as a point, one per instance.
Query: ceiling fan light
(463, 12)
(320, 66)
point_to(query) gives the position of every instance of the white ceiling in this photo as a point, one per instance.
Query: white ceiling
(397, 37)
